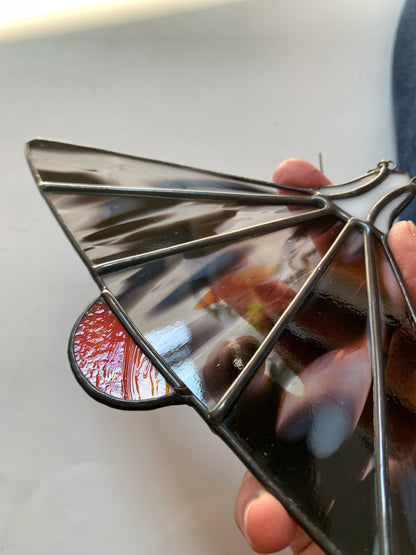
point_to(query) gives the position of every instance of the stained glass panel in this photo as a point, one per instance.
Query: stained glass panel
(277, 317)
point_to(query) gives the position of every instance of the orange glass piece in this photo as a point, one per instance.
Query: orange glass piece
(110, 359)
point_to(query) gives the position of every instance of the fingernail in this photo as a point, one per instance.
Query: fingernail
(245, 519)
(260, 492)
(411, 228)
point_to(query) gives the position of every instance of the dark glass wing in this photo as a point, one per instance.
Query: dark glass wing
(280, 317)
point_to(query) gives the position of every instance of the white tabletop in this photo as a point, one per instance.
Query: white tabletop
(235, 88)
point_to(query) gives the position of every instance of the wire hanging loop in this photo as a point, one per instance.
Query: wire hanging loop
(386, 164)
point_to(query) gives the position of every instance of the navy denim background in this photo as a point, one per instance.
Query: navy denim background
(404, 97)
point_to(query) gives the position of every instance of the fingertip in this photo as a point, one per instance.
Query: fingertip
(402, 242)
(404, 230)
(261, 518)
(267, 525)
(299, 173)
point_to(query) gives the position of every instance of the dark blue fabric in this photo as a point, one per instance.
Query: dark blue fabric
(404, 96)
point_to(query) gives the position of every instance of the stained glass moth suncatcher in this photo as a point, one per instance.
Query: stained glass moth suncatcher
(278, 314)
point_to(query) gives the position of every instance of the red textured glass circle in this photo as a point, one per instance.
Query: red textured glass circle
(110, 359)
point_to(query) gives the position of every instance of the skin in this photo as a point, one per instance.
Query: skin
(262, 519)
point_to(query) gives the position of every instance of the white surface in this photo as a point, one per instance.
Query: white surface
(234, 89)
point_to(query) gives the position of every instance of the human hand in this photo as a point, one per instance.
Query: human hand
(262, 519)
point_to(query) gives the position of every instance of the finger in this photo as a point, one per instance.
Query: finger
(299, 173)
(402, 242)
(400, 376)
(262, 519)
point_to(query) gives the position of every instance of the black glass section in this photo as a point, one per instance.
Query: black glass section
(399, 346)
(306, 417)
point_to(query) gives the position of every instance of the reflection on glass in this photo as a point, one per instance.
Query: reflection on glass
(307, 414)
(187, 305)
(111, 361)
